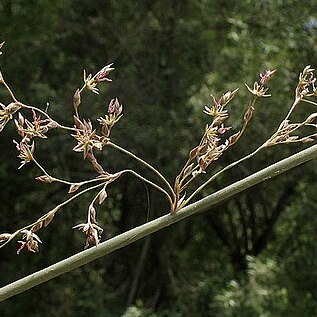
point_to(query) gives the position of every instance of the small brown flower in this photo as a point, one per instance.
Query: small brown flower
(91, 82)
(92, 231)
(25, 152)
(306, 83)
(266, 76)
(103, 73)
(258, 90)
(112, 117)
(6, 114)
(30, 241)
(87, 138)
(36, 128)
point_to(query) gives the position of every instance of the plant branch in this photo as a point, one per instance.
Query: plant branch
(54, 210)
(144, 163)
(201, 187)
(148, 228)
(149, 182)
(47, 116)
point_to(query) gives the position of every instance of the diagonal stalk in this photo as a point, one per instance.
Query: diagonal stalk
(155, 225)
(145, 164)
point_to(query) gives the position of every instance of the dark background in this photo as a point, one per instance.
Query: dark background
(254, 255)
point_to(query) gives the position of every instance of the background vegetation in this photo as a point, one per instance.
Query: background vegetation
(256, 254)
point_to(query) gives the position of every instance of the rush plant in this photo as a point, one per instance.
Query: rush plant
(33, 123)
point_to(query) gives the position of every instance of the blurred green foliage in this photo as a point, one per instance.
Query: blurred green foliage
(256, 254)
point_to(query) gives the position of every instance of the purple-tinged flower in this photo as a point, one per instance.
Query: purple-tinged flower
(112, 117)
(91, 82)
(266, 76)
(222, 129)
(306, 82)
(103, 73)
(87, 139)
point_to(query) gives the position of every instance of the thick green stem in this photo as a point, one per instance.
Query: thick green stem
(148, 228)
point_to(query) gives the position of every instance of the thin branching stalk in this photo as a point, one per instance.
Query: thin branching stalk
(145, 164)
(8, 89)
(233, 164)
(54, 210)
(148, 228)
(147, 181)
(309, 101)
(47, 116)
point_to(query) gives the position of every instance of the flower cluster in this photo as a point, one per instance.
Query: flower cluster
(7, 112)
(288, 132)
(215, 141)
(306, 83)
(112, 117)
(91, 228)
(87, 137)
(36, 128)
(212, 145)
(91, 81)
(217, 110)
(92, 231)
(25, 150)
(30, 240)
(258, 88)
(29, 130)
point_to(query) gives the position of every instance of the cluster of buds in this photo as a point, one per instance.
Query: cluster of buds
(211, 146)
(91, 81)
(87, 137)
(217, 110)
(30, 240)
(25, 150)
(91, 228)
(28, 130)
(37, 128)
(306, 83)
(285, 132)
(258, 89)
(92, 231)
(7, 112)
(113, 115)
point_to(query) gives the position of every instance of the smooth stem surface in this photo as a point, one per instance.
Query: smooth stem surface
(144, 163)
(148, 228)
(149, 182)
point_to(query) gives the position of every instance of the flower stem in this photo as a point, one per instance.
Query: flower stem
(47, 116)
(201, 187)
(55, 209)
(149, 182)
(145, 164)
